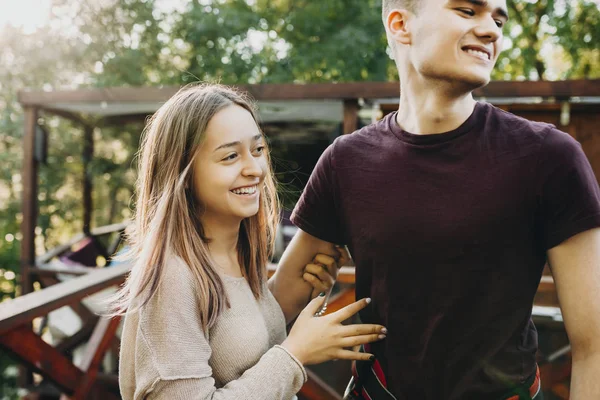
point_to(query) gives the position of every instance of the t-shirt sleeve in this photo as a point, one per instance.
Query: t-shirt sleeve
(317, 212)
(567, 190)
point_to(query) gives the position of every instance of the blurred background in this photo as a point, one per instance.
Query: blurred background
(71, 44)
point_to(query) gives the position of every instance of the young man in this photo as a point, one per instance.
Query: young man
(450, 208)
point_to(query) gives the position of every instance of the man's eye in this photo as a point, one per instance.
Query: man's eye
(499, 23)
(467, 11)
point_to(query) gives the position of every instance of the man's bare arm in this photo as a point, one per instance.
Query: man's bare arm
(287, 285)
(575, 265)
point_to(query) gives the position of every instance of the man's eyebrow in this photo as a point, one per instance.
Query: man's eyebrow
(484, 3)
(237, 143)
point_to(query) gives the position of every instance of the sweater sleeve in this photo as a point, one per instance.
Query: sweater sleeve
(178, 350)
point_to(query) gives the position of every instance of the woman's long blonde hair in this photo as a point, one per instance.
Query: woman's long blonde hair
(167, 217)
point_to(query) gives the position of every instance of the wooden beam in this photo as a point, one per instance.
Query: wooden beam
(42, 357)
(29, 201)
(94, 352)
(106, 229)
(290, 91)
(350, 116)
(70, 343)
(88, 153)
(317, 389)
(68, 115)
(29, 176)
(25, 308)
(58, 250)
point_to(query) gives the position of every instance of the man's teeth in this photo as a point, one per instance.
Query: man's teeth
(478, 53)
(246, 190)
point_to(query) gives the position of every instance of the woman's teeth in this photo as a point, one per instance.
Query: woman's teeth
(245, 190)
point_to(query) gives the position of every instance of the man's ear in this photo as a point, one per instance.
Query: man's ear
(397, 26)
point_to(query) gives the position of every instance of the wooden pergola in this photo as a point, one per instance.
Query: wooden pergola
(572, 105)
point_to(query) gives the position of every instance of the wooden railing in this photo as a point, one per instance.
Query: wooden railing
(74, 380)
(16, 336)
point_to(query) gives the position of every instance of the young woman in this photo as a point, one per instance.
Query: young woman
(200, 320)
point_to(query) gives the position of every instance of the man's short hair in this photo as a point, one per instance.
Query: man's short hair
(388, 5)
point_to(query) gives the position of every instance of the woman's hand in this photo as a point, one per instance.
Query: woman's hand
(314, 340)
(322, 272)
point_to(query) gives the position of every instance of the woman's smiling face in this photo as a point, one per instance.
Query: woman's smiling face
(230, 166)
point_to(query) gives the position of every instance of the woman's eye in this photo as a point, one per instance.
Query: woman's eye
(259, 149)
(467, 11)
(499, 23)
(230, 157)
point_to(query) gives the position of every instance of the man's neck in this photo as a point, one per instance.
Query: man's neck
(429, 108)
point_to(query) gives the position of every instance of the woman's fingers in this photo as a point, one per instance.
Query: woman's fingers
(362, 329)
(351, 309)
(352, 355)
(313, 306)
(362, 339)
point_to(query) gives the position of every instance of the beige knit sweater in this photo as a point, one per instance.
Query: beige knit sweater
(166, 355)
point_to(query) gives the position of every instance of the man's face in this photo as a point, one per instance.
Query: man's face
(457, 40)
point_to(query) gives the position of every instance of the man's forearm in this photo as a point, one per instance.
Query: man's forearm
(291, 291)
(585, 379)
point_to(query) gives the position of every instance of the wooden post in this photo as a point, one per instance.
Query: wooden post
(88, 151)
(350, 115)
(30, 211)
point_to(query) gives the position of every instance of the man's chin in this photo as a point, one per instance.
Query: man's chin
(468, 83)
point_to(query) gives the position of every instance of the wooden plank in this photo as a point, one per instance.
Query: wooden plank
(29, 200)
(350, 115)
(56, 267)
(289, 91)
(30, 212)
(71, 342)
(88, 152)
(316, 389)
(42, 357)
(106, 229)
(25, 308)
(66, 114)
(99, 342)
(58, 250)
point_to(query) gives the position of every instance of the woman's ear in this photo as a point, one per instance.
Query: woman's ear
(397, 26)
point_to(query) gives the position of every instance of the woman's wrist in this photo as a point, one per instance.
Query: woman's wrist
(294, 350)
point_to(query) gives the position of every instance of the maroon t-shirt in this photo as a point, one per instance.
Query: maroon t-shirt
(449, 234)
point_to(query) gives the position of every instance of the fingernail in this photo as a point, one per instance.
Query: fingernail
(381, 336)
(322, 294)
(384, 330)
(372, 358)
(368, 300)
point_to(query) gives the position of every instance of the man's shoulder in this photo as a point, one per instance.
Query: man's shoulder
(510, 131)
(367, 138)
(510, 123)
